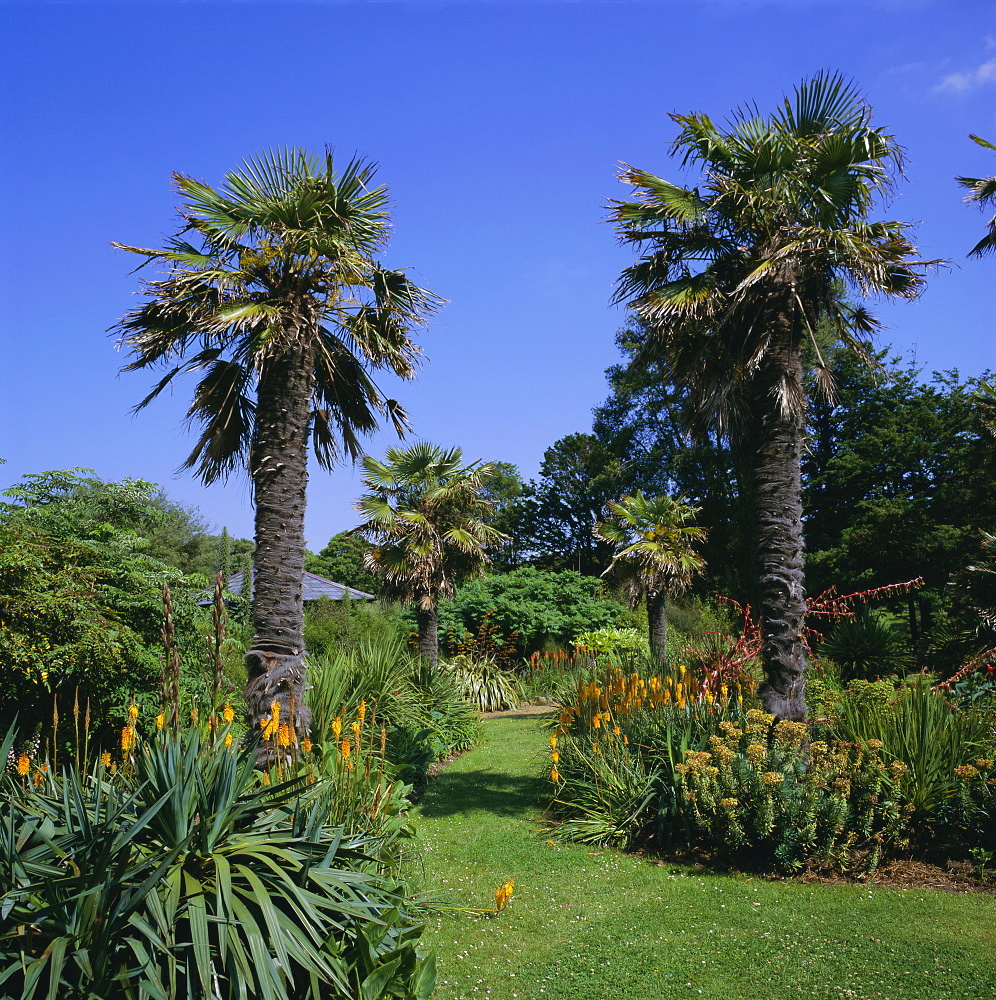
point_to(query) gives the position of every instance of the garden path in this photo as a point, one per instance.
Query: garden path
(593, 923)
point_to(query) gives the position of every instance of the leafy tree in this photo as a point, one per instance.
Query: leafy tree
(427, 518)
(80, 594)
(737, 275)
(655, 554)
(579, 475)
(344, 561)
(272, 293)
(983, 192)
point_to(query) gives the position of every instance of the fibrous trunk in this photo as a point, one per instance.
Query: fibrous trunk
(428, 633)
(278, 467)
(657, 625)
(778, 509)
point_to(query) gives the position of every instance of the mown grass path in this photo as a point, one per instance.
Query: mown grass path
(587, 924)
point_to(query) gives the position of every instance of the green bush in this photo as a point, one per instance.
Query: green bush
(330, 626)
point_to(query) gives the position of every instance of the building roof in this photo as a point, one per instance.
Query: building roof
(313, 585)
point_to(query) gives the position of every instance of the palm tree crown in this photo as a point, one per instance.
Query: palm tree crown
(982, 191)
(427, 516)
(735, 276)
(272, 295)
(655, 553)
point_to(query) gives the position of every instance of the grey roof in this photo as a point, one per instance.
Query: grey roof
(313, 586)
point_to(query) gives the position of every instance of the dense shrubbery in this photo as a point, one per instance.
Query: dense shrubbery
(681, 762)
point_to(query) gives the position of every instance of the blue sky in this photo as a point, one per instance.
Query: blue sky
(497, 126)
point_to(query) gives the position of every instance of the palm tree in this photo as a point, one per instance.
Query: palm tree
(655, 554)
(983, 192)
(735, 277)
(428, 519)
(272, 294)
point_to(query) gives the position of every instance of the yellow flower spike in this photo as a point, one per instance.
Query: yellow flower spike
(555, 757)
(23, 765)
(724, 691)
(266, 777)
(503, 894)
(306, 745)
(626, 740)
(160, 720)
(228, 714)
(554, 775)
(616, 730)
(284, 736)
(228, 739)
(105, 759)
(553, 742)
(681, 670)
(337, 727)
(363, 709)
(132, 713)
(38, 779)
(127, 739)
(597, 721)
(194, 716)
(345, 748)
(356, 728)
(275, 710)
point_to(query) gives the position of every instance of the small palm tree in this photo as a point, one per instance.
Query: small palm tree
(982, 192)
(736, 277)
(427, 516)
(655, 554)
(273, 296)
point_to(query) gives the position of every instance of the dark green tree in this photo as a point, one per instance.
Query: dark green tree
(578, 477)
(273, 295)
(736, 276)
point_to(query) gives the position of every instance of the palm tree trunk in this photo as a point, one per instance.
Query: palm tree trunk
(778, 511)
(657, 625)
(428, 633)
(279, 472)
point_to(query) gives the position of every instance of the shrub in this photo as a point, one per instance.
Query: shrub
(613, 641)
(757, 789)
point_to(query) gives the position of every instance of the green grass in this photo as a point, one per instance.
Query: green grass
(587, 924)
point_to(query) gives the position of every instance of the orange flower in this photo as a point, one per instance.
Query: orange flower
(105, 759)
(228, 714)
(23, 765)
(345, 749)
(306, 745)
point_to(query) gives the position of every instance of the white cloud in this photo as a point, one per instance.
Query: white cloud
(970, 80)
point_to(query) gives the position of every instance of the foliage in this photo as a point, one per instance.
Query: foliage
(865, 645)
(331, 625)
(424, 716)
(924, 731)
(612, 641)
(181, 875)
(542, 606)
(343, 560)
(483, 683)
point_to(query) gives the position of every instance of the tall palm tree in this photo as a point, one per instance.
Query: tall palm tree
(427, 516)
(736, 275)
(655, 554)
(983, 192)
(273, 296)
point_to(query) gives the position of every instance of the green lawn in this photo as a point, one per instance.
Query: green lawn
(595, 923)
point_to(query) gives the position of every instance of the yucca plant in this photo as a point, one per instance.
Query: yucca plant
(483, 683)
(186, 877)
